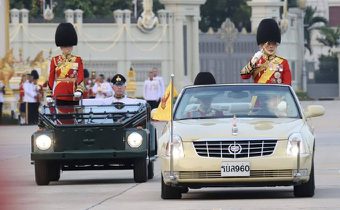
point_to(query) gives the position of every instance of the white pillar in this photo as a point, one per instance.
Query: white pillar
(261, 9)
(24, 15)
(4, 27)
(179, 52)
(162, 16)
(118, 16)
(184, 10)
(78, 13)
(170, 47)
(127, 16)
(15, 16)
(195, 47)
(69, 16)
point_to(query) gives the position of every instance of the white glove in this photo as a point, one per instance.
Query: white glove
(77, 94)
(49, 100)
(256, 57)
(282, 106)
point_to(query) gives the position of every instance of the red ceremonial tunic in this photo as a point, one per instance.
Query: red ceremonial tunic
(268, 69)
(66, 76)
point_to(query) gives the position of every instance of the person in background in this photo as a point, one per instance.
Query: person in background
(22, 105)
(161, 83)
(66, 70)
(39, 97)
(151, 91)
(87, 83)
(2, 93)
(265, 66)
(102, 89)
(30, 99)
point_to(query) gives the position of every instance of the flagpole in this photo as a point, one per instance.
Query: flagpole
(172, 177)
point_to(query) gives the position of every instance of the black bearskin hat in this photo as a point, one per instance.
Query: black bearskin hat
(66, 35)
(268, 30)
(86, 73)
(35, 74)
(204, 78)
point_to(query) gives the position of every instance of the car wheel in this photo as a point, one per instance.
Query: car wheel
(41, 172)
(151, 170)
(169, 192)
(54, 171)
(306, 189)
(140, 170)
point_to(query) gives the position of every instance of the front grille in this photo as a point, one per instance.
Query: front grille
(235, 148)
(217, 174)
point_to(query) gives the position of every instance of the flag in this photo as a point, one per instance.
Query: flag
(162, 112)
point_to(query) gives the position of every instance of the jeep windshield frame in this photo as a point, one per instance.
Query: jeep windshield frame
(117, 115)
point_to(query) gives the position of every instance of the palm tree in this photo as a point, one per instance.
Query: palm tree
(310, 23)
(330, 37)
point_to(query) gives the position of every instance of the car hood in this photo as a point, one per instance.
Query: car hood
(247, 128)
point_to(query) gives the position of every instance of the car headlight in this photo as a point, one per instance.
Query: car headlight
(177, 149)
(135, 140)
(43, 142)
(295, 141)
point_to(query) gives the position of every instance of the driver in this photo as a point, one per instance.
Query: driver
(119, 87)
(204, 108)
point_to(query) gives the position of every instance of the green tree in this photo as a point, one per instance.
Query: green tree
(311, 22)
(215, 12)
(330, 37)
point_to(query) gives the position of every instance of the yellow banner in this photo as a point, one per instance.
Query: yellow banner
(162, 112)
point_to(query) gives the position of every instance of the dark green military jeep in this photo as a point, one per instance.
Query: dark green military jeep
(94, 137)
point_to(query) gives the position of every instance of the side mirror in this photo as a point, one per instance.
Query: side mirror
(314, 111)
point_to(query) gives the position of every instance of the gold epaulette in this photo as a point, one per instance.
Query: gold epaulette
(279, 57)
(81, 87)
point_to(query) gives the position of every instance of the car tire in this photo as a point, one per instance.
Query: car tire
(41, 172)
(54, 171)
(169, 192)
(140, 170)
(306, 189)
(151, 169)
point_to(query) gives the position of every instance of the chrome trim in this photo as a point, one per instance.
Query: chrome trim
(235, 139)
(248, 148)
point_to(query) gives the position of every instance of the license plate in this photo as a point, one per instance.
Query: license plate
(235, 169)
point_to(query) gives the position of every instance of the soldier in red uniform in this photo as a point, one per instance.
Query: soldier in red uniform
(66, 70)
(266, 66)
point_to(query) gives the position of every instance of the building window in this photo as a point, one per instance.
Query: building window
(334, 16)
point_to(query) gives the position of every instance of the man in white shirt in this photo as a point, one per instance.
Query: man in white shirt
(152, 90)
(2, 92)
(161, 82)
(30, 98)
(102, 89)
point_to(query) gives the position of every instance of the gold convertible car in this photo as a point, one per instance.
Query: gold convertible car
(238, 135)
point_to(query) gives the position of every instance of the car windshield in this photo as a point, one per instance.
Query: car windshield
(224, 101)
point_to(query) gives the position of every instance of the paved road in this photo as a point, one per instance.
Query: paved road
(116, 189)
